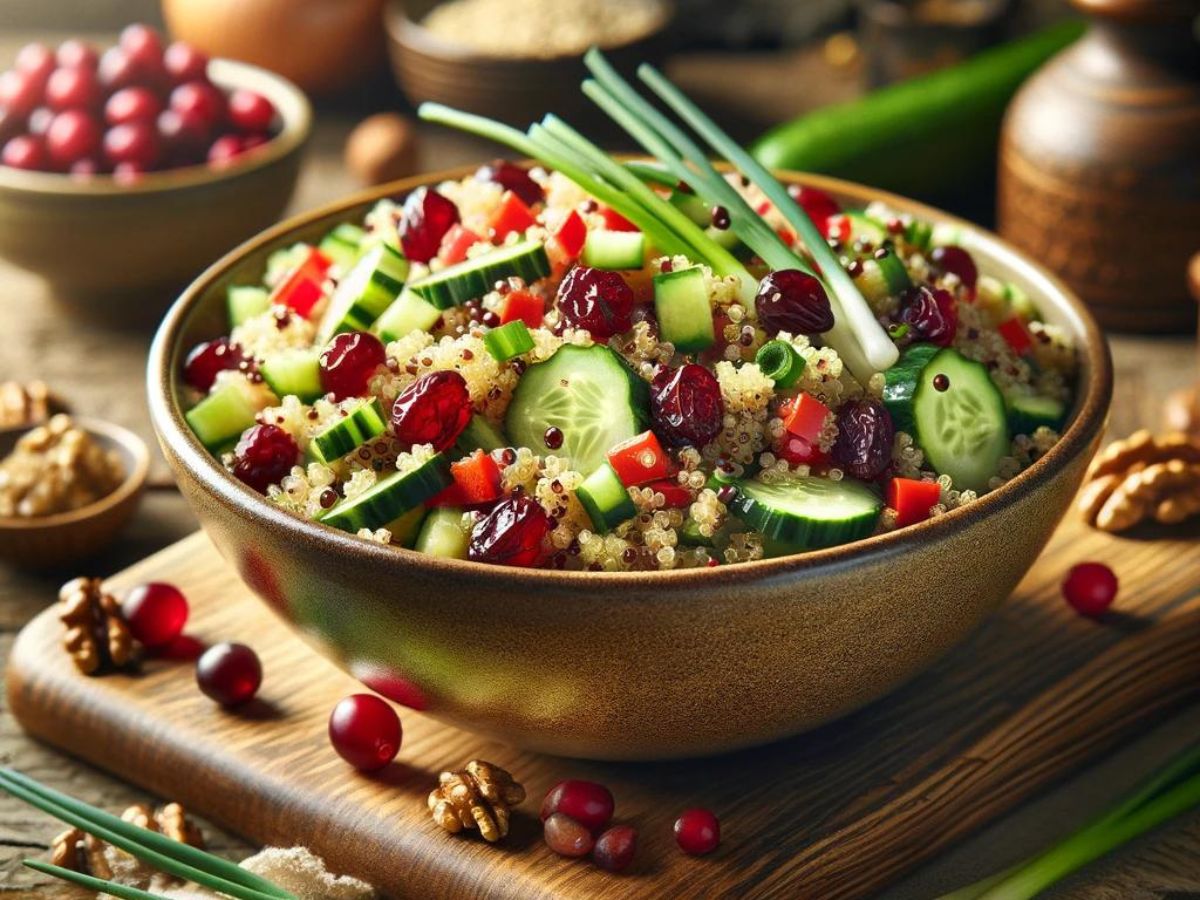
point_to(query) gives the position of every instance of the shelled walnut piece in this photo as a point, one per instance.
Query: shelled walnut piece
(478, 796)
(81, 852)
(55, 468)
(27, 404)
(96, 634)
(1143, 478)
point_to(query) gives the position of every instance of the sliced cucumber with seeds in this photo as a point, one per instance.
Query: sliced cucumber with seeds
(804, 512)
(365, 293)
(614, 249)
(474, 277)
(589, 394)
(1029, 412)
(444, 534)
(953, 410)
(361, 424)
(684, 312)
(391, 497)
(221, 417)
(606, 499)
(342, 244)
(296, 371)
(244, 302)
(407, 314)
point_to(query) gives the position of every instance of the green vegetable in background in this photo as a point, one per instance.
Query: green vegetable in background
(924, 136)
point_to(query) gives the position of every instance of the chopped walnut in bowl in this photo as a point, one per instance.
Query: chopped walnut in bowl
(57, 467)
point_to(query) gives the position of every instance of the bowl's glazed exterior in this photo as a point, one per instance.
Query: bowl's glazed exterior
(633, 665)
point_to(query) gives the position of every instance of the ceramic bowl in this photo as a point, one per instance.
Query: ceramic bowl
(121, 252)
(49, 541)
(633, 665)
(517, 90)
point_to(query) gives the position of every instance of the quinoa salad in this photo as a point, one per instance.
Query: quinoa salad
(528, 369)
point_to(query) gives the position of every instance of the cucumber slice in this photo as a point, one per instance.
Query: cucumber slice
(963, 429)
(509, 340)
(408, 314)
(862, 228)
(918, 234)
(391, 497)
(614, 249)
(605, 498)
(1029, 412)
(365, 293)
(806, 511)
(690, 535)
(480, 434)
(780, 362)
(684, 312)
(244, 302)
(443, 534)
(342, 244)
(474, 277)
(692, 206)
(404, 529)
(221, 417)
(295, 371)
(364, 422)
(588, 393)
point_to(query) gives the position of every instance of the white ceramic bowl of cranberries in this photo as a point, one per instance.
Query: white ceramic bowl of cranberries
(124, 172)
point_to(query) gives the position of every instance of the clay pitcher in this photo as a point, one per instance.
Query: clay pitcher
(1100, 163)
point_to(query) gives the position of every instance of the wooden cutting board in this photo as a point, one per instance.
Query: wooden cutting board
(840, 812)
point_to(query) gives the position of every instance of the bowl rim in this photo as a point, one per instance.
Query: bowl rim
(1090, 417)
(134, 480)
(297, 127)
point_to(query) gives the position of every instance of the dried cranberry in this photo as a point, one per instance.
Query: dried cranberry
(512, 534)
(264, 455)
(349, 362)
(566, 837)
(956, 261)
(686, 405)
(597, 300)
(931, 313)
(864, 441)
(513, 178)
(434, 409)
(818, 204)
(426, 218)
(614, 850)
(794, 301)
(207, 359)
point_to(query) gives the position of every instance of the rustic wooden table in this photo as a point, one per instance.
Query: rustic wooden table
(101, 374)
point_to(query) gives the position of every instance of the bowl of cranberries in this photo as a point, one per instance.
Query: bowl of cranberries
(124, 170)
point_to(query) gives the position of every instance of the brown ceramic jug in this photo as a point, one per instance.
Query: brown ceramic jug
(1100, 163)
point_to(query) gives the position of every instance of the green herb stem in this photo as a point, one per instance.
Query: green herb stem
(99, 885)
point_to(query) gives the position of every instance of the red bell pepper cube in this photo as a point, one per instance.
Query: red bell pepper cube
(614, 221)
(805, 417)
(522, 306)
(571, 235)
(639, 460)
(301, 290)
(912, 499)
(476, 481)
(1016, 335)
(512, 215)
(456, 243)
(677, 496)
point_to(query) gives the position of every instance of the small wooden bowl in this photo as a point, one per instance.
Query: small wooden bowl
(48, 541)
(119, 253)
(516, 90)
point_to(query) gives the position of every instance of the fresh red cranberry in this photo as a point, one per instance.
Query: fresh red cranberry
(25, 151)
(424, 221)
(132, 142)
(588, 803)
(863, 447)
(513, 178)
(224, 150)
(512, 534)
(184, 136)
(264, 456)
(250, 110)
(73, 89)
(434, 409)
(37, 60)
(228, 673)
(143, 45)
(155, 612)
(200, 99)
(1090, 588)
(72, 135)
(686, 406)
(132, 104)
(793, 301)
(365, 731)
(76, 54)
(20, 92)
(931, 313)
(597, 300)
(697, 831)
(818, 204)
(118, 70)
(184, 62)
(566, 837)
(348, 363)
(39, 121)
(615, 849)
(956, 261)
(207, 359)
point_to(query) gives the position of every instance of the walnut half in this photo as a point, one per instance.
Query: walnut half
(96, 635)
(478, 796)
